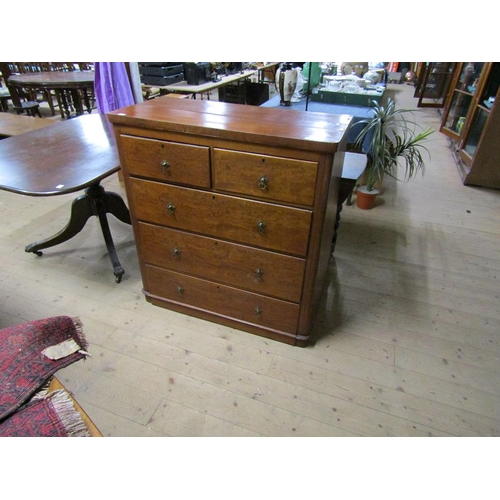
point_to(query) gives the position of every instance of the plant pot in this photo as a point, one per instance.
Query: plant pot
(378, 184)
(366, 199)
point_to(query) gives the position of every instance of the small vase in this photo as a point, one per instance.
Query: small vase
(366, 199)
(286, 82)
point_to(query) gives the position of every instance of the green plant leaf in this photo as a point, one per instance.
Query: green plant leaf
(392, 136)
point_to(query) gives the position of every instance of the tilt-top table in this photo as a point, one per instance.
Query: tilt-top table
(66, 157)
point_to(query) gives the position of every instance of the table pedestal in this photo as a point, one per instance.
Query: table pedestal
(96, 201)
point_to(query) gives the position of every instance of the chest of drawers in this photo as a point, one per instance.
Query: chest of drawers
(233, 209)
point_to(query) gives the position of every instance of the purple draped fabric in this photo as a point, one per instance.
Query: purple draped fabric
(112, 86)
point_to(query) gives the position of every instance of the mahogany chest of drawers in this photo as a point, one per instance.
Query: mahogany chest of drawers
(233, 209)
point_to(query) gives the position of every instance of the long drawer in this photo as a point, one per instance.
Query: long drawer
(261, 224)
(269, 177)
(245, 267)
(221, 300)
(166, 161)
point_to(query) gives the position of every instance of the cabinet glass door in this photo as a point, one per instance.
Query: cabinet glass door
(490, 89)
(475, 131)
(433, 84)
(459, 108)
(469, 77)
(462, 98)
(484, 104)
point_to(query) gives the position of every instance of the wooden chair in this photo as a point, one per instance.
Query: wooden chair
(4, 97)
(4, 105)
(22, 104)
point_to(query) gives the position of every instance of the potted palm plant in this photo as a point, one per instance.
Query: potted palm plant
(389, 139)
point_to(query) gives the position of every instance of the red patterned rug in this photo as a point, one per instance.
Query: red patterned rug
(31, 353)
(51, 416)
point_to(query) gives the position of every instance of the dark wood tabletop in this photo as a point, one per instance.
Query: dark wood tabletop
(54, 79)
(13, 124)
(66, 157)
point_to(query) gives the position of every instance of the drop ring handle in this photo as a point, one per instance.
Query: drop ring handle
(165, 165)
(263, 182)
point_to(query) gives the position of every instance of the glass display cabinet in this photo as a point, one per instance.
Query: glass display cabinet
(471, 119)
(434, 79)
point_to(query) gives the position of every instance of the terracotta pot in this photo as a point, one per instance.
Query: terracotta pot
(366, 199)
(378, 184)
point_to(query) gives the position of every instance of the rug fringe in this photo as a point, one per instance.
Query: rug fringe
(79, 333)
(67, 413)
(42, 392)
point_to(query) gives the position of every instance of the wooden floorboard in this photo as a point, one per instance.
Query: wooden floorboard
(406, 341)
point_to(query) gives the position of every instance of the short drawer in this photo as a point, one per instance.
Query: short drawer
(225, 301)
(268, 177)
(166, 161)
(244, 267)
(257, 223)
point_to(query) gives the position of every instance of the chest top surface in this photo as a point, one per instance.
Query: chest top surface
(312, 131)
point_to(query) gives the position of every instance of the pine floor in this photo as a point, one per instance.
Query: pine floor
(406, 342)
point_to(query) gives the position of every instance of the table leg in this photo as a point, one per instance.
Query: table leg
(63, 104)
(77, 102)
(86, 101)
(96, 201)
(335, 229)
(59, 103)
(116, 206)
(101, 213)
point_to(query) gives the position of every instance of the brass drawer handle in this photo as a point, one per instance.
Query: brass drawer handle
(176, 253)
(259, 273)
(180, 289)
(257, 311)
(261, 226)
(165, 165)
(263, 182)
(171, 208)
